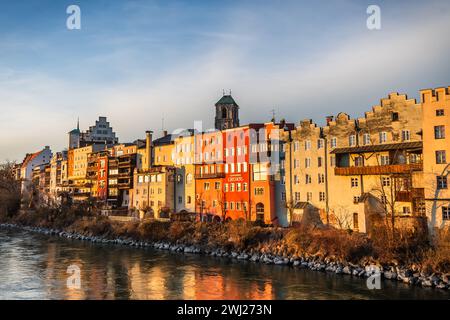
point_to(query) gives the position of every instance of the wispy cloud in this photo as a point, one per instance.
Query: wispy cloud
(306, 61)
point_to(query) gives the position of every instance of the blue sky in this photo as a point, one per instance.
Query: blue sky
(138, 61)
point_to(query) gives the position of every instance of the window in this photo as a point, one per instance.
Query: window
(307, 162)
(180, 199)
(297, 196)
(394, 116)
(238, 187)
(225, 187)
(366, 139)
(296, 146)
(319, 162)
(206, 186)
(321, 178)
(259, 191)
(354, 182)
(406, 210)
(307, 145)
(217, 185)
(386, 182)
(332, 161)
(188, 200)
(440, 112)
(333, 142)
(307, 179)
(352, 140)
(245, 186)
(441, 182)
(232, 187)
(406, 135)
(321, 196)
(359, 161)
(440, 157)
(439, 132)
(445, 213)
(383, 137)
(296, 181)
(384, 160)
(309, 196)
(320, 144)
(356, 199)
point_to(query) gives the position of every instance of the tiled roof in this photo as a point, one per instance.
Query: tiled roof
(380, 147)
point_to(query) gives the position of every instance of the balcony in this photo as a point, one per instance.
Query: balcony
(378, 170)
(216, 175)
(408, 196)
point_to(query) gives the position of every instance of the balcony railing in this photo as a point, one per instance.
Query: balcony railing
(407, 196)
(378, 170)
(210, 175)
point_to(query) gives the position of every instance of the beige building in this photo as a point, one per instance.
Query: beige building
(58, 175)
(436, 147)
(353, 168)
(77, 161)
(183, 158)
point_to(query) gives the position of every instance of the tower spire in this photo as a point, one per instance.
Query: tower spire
(78, 123)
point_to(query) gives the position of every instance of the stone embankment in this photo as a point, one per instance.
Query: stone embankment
(394, 273)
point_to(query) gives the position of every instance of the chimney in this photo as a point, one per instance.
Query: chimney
(148, 149)
(164, 133)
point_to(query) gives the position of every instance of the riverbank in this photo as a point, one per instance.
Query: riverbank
(330, 250)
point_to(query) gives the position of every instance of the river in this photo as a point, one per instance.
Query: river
(35, 266)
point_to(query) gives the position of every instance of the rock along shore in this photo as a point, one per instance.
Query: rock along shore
(394, 273)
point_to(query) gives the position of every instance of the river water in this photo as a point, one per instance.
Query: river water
(34, 266)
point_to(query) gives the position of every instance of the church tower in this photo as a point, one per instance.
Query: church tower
(227, 113)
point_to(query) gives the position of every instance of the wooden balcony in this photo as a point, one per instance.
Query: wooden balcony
(217, 175)
(378, 170)
(408, 196)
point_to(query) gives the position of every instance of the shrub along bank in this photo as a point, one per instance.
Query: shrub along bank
(407, 258)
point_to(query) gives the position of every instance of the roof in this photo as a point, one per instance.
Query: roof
(226, 99)
(380, 147)
(167, 139)
(301, 205)
(29, 157)
(75, 131)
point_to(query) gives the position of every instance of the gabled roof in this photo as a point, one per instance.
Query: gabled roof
(29, 158)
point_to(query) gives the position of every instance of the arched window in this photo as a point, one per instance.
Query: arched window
(224, 113)
(260, 211)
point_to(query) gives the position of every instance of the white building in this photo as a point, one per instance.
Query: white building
(31, 161)
(100, 133)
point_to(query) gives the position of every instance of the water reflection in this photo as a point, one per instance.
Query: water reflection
(35, 267)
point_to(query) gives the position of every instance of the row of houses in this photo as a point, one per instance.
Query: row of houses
(392, 162)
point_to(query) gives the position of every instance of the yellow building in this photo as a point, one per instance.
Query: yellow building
(436, 146)
(184, 155)
(353, 168)
(77, 162)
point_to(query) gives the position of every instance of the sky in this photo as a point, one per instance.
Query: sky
(137, 62)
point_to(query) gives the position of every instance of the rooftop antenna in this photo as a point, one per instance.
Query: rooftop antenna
(78, 123)
(273, 114)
